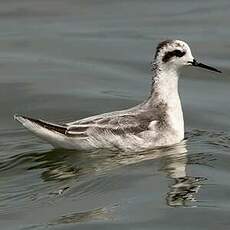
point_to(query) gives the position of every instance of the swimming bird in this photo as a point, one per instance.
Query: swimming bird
(156, 122)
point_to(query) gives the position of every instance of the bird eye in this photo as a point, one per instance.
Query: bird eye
(179, 53)
(174, 53)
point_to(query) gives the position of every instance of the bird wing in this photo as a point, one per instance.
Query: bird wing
(119, 124)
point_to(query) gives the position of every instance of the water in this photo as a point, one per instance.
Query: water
(62, 61)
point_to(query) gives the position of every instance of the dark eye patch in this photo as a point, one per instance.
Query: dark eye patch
(174, 53)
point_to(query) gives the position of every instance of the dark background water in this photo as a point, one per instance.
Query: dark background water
(64, 60)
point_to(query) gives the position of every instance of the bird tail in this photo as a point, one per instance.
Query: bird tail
(52, 133)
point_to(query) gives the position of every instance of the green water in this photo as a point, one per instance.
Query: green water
(61, 61)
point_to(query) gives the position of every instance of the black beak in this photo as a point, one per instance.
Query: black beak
(198, 64)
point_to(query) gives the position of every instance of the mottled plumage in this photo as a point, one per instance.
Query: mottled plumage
(158, 121)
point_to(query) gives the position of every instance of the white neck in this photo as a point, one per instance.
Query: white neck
(165, 85)
(165, 90)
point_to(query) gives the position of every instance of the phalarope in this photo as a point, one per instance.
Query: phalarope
(156, 122)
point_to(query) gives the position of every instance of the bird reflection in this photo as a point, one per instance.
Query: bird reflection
(183, 191)
(65, 165)
(183, 188)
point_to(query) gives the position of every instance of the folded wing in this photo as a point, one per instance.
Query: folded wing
(117, 125)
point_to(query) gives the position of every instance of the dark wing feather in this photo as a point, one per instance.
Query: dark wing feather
(119, 125)
(50, 126)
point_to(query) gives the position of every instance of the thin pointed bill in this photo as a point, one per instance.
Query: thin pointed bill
(198, 64)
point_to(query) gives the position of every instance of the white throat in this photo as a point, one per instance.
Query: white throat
(165, 84)
(165, 90)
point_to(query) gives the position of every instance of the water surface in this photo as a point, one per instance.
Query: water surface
(62, 61)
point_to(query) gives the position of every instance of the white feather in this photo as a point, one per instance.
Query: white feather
(102, 131)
